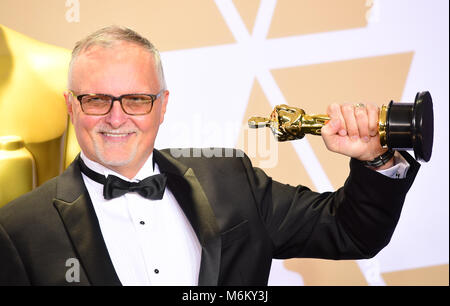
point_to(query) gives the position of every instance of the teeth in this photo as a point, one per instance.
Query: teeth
(116, 135)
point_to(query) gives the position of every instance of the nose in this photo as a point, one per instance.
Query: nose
(116, 117)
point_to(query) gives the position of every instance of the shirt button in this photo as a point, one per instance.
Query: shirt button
(142, 222)
(156, 271)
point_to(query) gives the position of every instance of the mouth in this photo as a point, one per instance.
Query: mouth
(116, 136)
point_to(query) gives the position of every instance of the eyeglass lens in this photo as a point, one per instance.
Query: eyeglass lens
(131, 104)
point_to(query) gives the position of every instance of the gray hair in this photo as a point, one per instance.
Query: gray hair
(106, 37)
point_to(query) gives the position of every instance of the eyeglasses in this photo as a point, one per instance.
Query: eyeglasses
(101, 104)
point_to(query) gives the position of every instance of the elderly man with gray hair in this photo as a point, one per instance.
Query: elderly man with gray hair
(129, 214)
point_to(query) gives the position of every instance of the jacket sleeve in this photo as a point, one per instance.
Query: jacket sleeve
(12, 271)
(354, 222)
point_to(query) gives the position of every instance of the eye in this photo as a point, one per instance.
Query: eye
(95, 99)
(138, 99)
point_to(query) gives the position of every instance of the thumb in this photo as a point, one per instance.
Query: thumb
(331, 128)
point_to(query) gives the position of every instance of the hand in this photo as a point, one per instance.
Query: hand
(353, 131)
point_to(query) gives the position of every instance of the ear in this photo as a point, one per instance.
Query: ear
(164, 100)
(67, 98)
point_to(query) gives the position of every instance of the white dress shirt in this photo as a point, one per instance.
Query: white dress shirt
(150, 242)
(399, 169)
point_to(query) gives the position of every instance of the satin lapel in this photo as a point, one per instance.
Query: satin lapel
(186, 188)
(77, 213)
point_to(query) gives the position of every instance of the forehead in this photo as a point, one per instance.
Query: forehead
(113, 50)
(122, 64)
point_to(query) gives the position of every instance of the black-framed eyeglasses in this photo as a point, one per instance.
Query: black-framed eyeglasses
(101, 104)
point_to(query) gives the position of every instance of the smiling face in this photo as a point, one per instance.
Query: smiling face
(116, 140)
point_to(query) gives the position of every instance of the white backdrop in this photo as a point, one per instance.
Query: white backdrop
(210, 88)
(252, 50)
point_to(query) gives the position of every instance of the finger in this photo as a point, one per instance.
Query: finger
(372, 113)
(332, 127)
(335, 114)
(362, 121)
(348, 111)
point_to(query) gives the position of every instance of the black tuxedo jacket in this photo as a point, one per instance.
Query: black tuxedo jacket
(241, 217)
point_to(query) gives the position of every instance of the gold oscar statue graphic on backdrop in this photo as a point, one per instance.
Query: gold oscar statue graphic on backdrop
(35, 144)
(402, 126)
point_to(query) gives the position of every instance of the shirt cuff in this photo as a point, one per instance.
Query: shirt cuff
(400, 168)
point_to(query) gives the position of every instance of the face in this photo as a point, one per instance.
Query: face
(116, 140)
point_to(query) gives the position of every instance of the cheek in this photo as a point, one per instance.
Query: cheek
(84, 125)
(148, 126)
(148, 130)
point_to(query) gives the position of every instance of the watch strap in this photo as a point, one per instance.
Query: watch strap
(380, 160)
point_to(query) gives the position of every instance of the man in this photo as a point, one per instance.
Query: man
(219, 221)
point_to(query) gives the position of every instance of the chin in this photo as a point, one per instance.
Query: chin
(119, 159)
(114, 162)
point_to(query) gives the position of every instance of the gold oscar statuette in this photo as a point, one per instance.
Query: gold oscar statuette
(17, 174)
(402, 126)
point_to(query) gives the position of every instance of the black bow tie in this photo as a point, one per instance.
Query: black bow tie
(151, 188)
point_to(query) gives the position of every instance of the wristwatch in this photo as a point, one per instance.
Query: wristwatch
(380, 160)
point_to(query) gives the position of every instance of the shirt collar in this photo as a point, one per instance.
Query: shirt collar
(146, 170)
